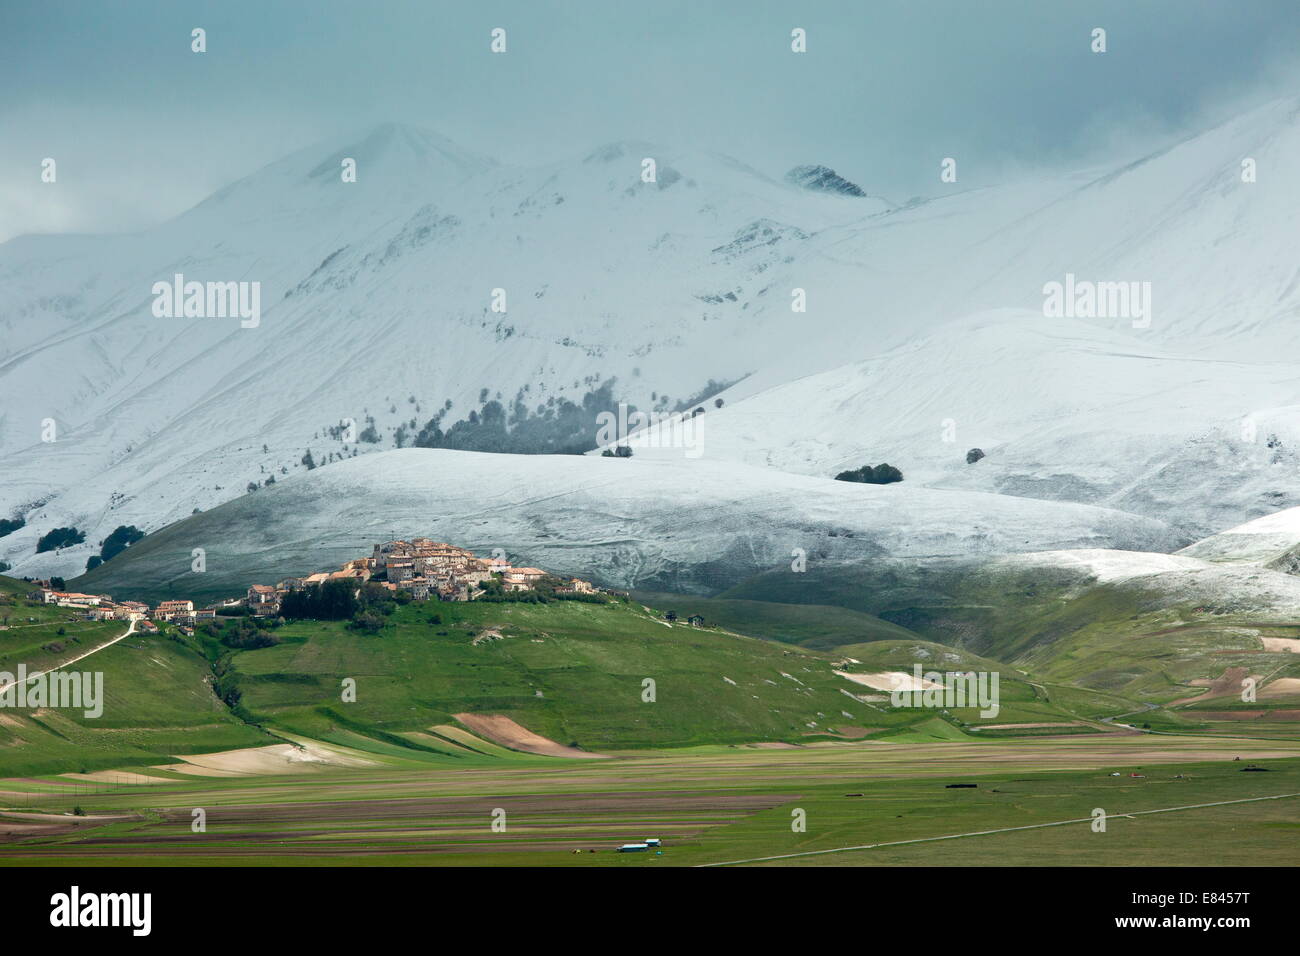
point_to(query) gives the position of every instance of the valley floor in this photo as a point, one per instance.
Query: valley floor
(894, 802)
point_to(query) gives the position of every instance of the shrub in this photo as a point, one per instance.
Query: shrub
(974, 455)
(366, 621)
(582, 598)
(247, 635)
(882, 474)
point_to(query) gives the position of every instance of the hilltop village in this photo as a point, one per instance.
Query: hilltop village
(421, 568)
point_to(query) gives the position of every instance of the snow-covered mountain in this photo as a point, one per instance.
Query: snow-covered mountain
(1061, 410)
(1175, 581)
(1272, 541)
(667, 524)
(377, 303)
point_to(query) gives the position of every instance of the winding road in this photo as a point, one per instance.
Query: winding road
(94, 650)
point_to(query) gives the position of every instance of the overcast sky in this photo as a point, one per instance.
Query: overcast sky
(142, 128)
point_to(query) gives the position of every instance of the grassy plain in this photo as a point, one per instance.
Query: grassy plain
(744, 737)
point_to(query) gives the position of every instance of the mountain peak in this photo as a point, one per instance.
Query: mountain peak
(618, 150)
(393, 142)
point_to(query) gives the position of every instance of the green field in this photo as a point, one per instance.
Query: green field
(814, 626)
(708, 805)
(157, 700)
(745, 730)
(570, 671)
(1118, 641)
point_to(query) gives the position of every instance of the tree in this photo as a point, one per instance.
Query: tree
(10, 525)
(59, 538)
(331, 601)
(93, 562)
(123, 537)
(557, 426)
(623, 451)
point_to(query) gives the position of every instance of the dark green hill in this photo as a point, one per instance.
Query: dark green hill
(814, 626)
(572, 672)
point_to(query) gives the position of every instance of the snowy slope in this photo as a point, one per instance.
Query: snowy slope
(378, 293)
(1178, 581)
(1271, 541)
(1107, 566)
(671, 524)
(1061, 409)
